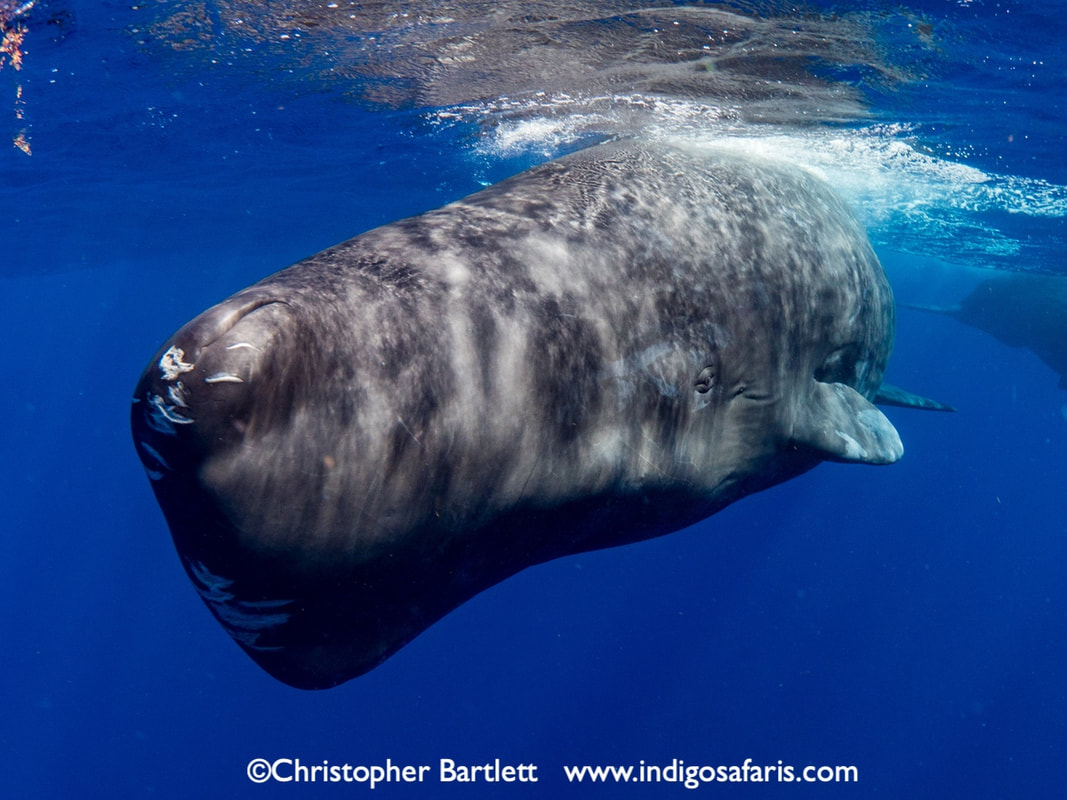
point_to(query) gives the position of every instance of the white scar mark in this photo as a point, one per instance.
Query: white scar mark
(641, 456)
(176, 393)
(244, 620)
(533, 468)
(171, 364)
(223, 377)
(239, 345)
(162, 417)
(853, 449)
(638, 367)
(412, 435)
(152, 453)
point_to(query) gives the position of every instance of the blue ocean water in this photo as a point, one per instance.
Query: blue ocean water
(907, 620)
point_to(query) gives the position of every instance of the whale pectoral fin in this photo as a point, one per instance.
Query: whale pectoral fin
(890, 395)
(842, 425)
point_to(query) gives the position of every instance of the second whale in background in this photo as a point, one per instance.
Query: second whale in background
(1021, 309)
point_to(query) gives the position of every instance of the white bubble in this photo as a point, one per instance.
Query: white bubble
(912, 200)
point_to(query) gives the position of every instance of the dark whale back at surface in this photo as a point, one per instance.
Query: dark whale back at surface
(602, 349)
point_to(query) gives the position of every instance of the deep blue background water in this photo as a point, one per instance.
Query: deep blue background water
(909, 620)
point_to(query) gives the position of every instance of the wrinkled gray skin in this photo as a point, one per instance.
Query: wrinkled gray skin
(602, 349)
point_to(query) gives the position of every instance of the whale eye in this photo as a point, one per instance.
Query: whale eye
(705, 380)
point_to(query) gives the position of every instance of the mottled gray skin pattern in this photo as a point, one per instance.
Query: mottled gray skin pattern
(602, 349)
